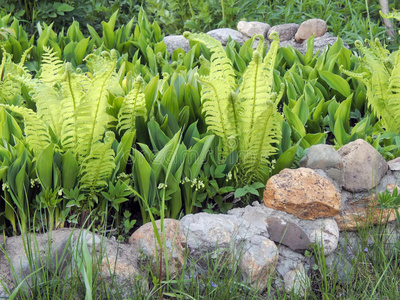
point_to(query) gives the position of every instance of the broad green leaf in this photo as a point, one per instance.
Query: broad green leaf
(336, 82)
(70, 170)
(44, 167)
(80, 51)
(285, 160)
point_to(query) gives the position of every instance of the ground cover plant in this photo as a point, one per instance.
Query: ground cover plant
(109, 129)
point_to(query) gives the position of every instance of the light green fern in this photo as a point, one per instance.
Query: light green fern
(10, 88)
(216, 92)
(36, 132)
(381, 78)
(97, 167)
(134, 105)
(249, 118)
(92, 117)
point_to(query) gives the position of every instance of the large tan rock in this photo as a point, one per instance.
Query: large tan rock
(310, 27)
(363, 166)
(365, 211)
(175, 242)
(303, 193)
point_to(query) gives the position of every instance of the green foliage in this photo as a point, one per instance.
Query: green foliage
(381, 77)
(247, 121)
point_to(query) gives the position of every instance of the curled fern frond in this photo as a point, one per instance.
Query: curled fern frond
(134, 105)
(36, 132)
(98, 165)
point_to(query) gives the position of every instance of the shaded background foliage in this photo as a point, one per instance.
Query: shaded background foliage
(347, 19)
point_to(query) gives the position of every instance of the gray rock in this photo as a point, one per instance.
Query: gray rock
(289, 259)
(60, 251)
(251, 28)
(222, 35)
(326, 158)
(286, 31)
(314, 229)
(258, 259)
(363, 166)
(339, 264)
(206, 233)
(174, 42)
(394, 164)
(120, 271)
(297, 280)
(320, 43)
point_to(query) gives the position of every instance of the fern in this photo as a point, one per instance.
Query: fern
(37, 135)
(52, 68)
(382, 81)
(74, 88)
(216, 92)
(10, 88)
(92, 117)
(98, 165)
(259, 120)
(249, 118)
(134, 105)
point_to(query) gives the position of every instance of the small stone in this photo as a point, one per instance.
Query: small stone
(341, 265)
(394, 164)
(175, 241)
(258, 261)
(287, 233)
(285, 31)
(223, 34)
(326, 158)
(289, 259)
(363, 166)
(303, 193)
(297, 280)
(251, 28)
(174, 42)
(310, 27)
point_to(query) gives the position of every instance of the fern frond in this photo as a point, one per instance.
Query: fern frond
(92, 117)
(36, 132)
(219, 113)
(52, 68)
(98, 165)
(12, 75)
(74, 88)
(381, 83)
(221, 66)
(267, 134)
(393, 100)
(216, 92)
(259, 121)
(253, 95)
(134, 105)
(269, 61)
